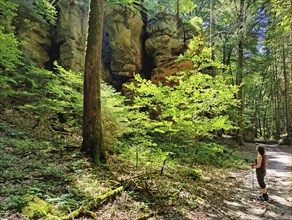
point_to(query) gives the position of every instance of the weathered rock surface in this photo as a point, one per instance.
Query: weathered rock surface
(71, 33)
(123, 41)
(166, 40)
(37, 42)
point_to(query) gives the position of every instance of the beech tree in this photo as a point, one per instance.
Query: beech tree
(92, 128)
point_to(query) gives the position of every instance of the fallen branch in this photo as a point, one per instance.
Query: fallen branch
(144, 216)
(93, 204)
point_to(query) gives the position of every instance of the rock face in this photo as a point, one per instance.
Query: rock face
(131, 44)
(123, 42)
(37, 43)
(166, 40)
(70, 33)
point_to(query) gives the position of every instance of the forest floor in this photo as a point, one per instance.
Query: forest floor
(56, 172)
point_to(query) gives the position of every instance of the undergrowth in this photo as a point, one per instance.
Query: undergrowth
(61, 180)
(44, 175)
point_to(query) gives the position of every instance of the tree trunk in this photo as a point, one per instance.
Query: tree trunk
(212, 35)
(177, 11)
(260, 128)
(92, 128)
(289, 84)
(240, 75)
(286, 84)
(265, 125)
(277, 109)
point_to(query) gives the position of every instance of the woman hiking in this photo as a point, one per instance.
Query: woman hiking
(261, 165)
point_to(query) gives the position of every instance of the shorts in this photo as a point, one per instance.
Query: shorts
(261, 177)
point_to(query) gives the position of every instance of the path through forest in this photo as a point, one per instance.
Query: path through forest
(245, 205)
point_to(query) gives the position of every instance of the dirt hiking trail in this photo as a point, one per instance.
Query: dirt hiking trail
(245, 204)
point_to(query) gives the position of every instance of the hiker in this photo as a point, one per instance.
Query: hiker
(261, 165)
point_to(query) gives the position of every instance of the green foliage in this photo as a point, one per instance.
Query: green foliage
(38, 10)
(10, 54)
(47, 93)
(145, 155)
(216, 154)
(9, 48)
(196, 22)
(282, 10)
(114, 122)
(8, 12)
(13, 202)
(46, 10)
(57, 97)
(168, 7)
(200, 55)
(197, 105)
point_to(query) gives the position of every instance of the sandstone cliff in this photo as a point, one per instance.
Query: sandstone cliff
(131, 43)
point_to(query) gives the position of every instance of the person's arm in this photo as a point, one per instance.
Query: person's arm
(259, 162)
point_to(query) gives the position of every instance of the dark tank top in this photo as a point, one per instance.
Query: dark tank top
(264, 162)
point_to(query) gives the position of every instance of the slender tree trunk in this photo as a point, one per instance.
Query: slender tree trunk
(224, 51)
(255, 110)
(256, 124)
(240, 75)
(289, 84)
(212, 35)
(260, 127)
(277, 109)
(177, 11)
(92, 128)
(227, 52)
(286, 84)
(240, 91)
(228, 63)
(265, 125)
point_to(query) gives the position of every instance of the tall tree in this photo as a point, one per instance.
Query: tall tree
(177, 10)
(240, 72)
(92, 128)
(212, 34)
(286, 90)
(278, 31)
